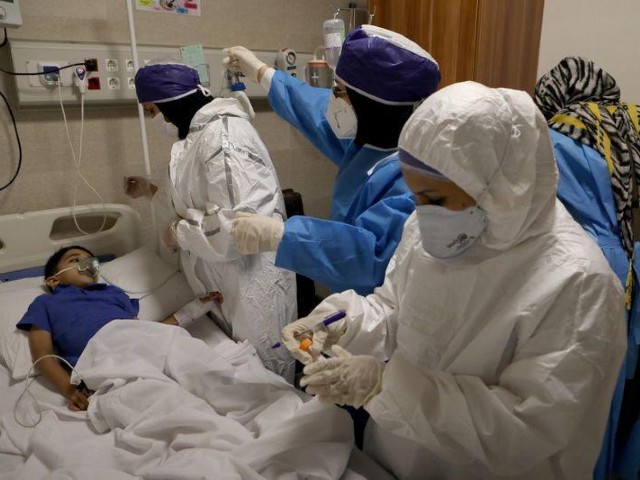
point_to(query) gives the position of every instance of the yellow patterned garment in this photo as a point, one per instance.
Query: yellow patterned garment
(582, 101)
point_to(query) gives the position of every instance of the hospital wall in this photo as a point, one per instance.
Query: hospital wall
(112, 146)
(603, 31)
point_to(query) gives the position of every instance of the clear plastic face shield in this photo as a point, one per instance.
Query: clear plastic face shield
(87, 266)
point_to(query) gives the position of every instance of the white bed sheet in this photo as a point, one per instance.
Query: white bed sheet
(10, 390)
(168, 406)
(360, 467)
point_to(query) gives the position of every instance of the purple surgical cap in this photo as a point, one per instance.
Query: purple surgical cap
(386, 66)
(163, 82)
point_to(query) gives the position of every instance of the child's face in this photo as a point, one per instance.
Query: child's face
(72, 276)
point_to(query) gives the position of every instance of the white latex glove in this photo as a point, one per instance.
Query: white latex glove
(170, 236)
(244, 102)
(344, 379)
(323, 336)
(241, 59)
(253, 233)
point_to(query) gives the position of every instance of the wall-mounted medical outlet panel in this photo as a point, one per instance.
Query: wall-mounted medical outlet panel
(112, 83)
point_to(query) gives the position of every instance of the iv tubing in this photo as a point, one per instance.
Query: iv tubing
(143, 130)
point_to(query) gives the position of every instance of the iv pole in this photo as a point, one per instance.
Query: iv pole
(143, 129)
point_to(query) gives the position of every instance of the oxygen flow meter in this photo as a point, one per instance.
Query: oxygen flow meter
(10, 14)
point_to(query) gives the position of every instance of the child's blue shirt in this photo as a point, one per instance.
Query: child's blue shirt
(74, 315)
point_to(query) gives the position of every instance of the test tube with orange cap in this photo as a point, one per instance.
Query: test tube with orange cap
(305, 340)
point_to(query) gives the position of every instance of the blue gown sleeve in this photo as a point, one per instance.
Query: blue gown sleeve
(343, 256)
(303, 107)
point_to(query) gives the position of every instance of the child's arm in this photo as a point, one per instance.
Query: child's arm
(40, 344)
(194, 309)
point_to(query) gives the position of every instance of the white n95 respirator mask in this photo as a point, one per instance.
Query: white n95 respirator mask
(342, 118)
(164, 127)
(447, 233)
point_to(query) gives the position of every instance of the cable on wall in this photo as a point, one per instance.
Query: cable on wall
(15, 128)
(71, 65)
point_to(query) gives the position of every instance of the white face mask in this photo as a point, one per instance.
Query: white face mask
(447, 233)
(342, 118)
(164, 127)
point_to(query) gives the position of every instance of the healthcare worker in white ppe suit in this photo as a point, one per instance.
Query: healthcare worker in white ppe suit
(501, 321)
(220, 166)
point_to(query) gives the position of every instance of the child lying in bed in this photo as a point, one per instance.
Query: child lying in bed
(65, 321)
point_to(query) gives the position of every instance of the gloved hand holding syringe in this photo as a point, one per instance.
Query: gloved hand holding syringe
(307, 337)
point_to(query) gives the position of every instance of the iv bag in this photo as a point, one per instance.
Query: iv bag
(333, 33)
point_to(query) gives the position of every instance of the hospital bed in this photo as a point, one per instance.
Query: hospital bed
(232, 419)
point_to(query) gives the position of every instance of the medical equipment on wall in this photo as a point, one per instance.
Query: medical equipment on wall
(286, 61)
(80, 79)
(317, 72)
(10, 14)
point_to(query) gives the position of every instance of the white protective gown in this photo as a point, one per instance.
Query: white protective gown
(502, 361)
(220, 168)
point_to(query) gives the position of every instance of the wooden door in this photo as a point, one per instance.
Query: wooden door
(495, 42)
(509, 43)
(445, 28)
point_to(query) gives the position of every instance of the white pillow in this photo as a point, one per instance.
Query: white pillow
(138, 271)
(162, 289)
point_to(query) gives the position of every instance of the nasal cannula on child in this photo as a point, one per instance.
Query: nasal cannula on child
(305, 343)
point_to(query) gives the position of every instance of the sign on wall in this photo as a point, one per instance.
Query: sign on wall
(178, 7)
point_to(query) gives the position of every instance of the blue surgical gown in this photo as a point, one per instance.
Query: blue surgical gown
(370, 204)
(584, 187)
